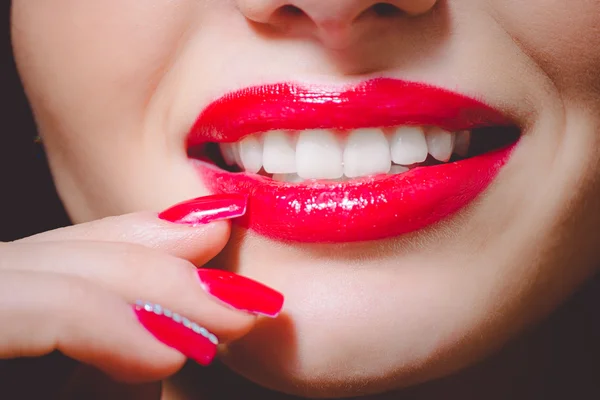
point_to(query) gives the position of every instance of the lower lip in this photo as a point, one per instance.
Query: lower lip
(362, 210)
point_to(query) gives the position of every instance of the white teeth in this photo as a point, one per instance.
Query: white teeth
(279, 154)
(251, 154)
(408, 145)
(463, 142)
(440, 143)
(319, 155)
(367, 153)
(228, 152)
(323, 154)
(289, 178)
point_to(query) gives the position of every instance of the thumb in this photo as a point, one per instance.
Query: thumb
(194, 230)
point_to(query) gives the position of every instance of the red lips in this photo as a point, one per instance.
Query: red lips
(366, 209)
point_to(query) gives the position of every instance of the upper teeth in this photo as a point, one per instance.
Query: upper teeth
(323, 154)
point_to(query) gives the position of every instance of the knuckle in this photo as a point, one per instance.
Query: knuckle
(69, 298)
(152, 271)
(70, 290)
(174, 276)
(141, 256)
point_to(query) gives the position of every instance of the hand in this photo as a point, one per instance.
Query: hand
(113, 293)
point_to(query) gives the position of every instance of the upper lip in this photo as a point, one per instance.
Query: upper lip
(381, 102)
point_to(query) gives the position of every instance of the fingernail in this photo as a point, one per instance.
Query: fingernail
(178, 332)
(207, 209)
(241, 293)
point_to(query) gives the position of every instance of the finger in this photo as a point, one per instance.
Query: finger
(40, 313)
(188, 230)
(225, 304)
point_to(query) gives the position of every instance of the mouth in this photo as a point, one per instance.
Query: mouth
(373, 161)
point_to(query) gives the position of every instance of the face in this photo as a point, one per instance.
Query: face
(389, 279)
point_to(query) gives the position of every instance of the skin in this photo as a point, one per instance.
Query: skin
(115, 86)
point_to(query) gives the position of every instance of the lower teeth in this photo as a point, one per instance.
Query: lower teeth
(289, 178)
(295, 178)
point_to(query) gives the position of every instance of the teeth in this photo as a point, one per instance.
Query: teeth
(408, 145)
(288, 178)
(319, 155)
(440, 143)
(251, 154)
(463, 142)
(367, 153)
(279, 154)
(228, 152)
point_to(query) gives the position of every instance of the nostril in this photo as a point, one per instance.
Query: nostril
(386, 10)
(291, 11)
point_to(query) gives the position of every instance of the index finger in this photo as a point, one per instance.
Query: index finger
(195, 230)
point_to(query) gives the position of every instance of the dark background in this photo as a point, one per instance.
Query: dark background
(28, 202)
(28, 205)
(560, 359)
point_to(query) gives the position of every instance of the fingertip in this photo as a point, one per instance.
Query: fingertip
(178, 332)
(241, 293)
(203, 243)
(207, 209)
(197, 244)
(151, 361)
(233, 332)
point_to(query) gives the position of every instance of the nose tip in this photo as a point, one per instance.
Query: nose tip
(333, 21)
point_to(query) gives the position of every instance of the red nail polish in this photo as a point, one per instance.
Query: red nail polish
(241, 293)
(178, 332)
(207, 209)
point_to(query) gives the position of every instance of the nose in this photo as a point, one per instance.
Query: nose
(334, 22)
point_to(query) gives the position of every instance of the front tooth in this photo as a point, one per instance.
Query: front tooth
(367, 153)
(279, 154)
(319, 155)
(463, 142)
(251, 154)
(408, 145)
(440, 143)
(228, 153)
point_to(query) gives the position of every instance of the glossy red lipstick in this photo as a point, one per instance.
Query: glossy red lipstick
(372, 104)
(360, 210)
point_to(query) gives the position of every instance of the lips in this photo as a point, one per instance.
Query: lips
(364, 209)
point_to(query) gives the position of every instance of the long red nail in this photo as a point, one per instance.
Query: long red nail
(178, 332)
(241, 293)
(207, 209)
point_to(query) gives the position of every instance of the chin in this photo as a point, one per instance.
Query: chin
(365, 211)
(363, 325)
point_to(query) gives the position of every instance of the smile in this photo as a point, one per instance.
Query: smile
(378, 160)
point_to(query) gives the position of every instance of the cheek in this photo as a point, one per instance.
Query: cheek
(91, 70)
(96, 61)
(561, 36)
